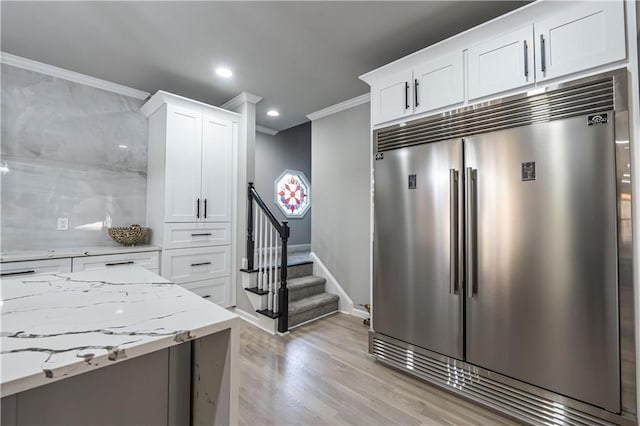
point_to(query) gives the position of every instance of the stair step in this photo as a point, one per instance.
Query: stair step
(312, 307)
(302, 287)
(257, 291)
(268, 313)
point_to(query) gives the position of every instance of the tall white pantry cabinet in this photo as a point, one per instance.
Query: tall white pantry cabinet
(191, 187)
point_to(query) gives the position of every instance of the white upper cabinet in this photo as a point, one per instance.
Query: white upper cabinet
(183, 168)
(217, 159)
(501, 63)
(438, 83)
(584, 36)
(391, 98)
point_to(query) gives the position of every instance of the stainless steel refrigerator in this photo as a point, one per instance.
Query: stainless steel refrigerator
(500, 249)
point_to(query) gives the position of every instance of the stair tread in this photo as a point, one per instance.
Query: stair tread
(311, 302)
(303, 282)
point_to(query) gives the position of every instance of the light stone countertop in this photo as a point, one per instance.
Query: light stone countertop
(62, 325)
(25, 255)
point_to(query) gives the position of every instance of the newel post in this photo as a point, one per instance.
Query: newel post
(283, 291)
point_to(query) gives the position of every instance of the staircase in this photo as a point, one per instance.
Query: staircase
(307, 297)
(283, 297)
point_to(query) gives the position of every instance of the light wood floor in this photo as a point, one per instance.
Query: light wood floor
(321, 374)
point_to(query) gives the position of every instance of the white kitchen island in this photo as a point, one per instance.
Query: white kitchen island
(116, 346)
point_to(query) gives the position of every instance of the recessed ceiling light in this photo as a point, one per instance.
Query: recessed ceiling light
(224, 72)
(273, 113)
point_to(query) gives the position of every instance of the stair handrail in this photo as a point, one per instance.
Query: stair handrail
(282, 228)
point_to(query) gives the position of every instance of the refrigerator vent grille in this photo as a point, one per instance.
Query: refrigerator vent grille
(587, 98)
(461, 378)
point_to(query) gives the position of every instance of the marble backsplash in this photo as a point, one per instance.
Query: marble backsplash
(68, 151)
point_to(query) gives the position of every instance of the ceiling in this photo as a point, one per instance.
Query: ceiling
(299, 56)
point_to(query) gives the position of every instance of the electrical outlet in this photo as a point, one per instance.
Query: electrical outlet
(63, 223)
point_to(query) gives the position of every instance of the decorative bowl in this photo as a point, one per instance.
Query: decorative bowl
(129, 235)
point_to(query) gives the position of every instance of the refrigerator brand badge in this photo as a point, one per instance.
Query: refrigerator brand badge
(597, 119)
(529, 171)
(412, 181)
(379, 156)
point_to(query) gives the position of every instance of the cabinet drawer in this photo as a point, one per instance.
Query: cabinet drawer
(196, 264)
(185, 235)
(32, 267)
(216, 290)
(149, 260)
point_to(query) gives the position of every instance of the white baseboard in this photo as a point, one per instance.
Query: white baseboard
(295, 248)
(359, 313)
(346, 305)
(252, 319)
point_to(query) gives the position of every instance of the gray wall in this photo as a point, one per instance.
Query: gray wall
(340, 232)
(60, 156)
(289, 149)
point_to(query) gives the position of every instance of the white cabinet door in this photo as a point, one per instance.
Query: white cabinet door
(392, 98)
(217, 160)
(582, 37)
(501, 63)
(438, 83)
(183, 165)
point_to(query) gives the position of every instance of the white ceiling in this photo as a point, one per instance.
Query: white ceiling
(299, 56)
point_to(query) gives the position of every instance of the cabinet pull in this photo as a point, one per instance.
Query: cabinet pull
(6, 274)
(526, 59)
(406, 95)
(201, 235)
(415, 93)
(198, 208)
(205, 208)
(543, 55)
(130, 262)
(206, 297)
(201, 264)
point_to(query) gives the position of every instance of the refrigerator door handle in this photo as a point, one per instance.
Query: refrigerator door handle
(453, 231)
(471, 231)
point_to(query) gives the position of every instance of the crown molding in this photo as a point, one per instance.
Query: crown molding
(242, 98)
(266, 130)
(161, 98)
(350, 103)
(39, 67)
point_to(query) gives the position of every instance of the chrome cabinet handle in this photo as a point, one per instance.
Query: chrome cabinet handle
(543, 55)
(471, 176)
(119, 263)
(7, 274)
(526, 59)
(201, 263)
(406, 95)
(206, 234)
(415, 92)
(198, 208)
(453, 231)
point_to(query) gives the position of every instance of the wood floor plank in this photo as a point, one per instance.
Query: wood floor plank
(322, 374)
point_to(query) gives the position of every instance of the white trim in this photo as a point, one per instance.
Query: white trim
(312, 320)
(350, 103)
(242, 98)
(245, 316)
(39, 67)
(266, 130)
(295, 248)
(360, 313)
(161, 97)
(332, 285)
